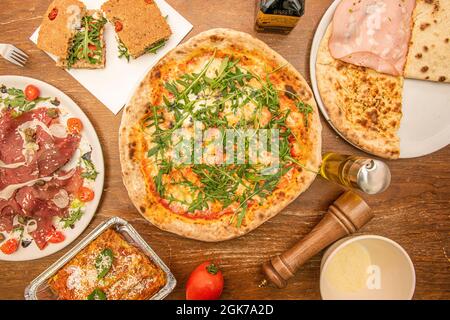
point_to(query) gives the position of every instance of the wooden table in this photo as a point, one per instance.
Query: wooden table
(414, 211)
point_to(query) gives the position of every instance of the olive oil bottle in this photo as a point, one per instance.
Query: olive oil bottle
(368, 175)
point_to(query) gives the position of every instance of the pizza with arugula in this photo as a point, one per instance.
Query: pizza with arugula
(220, 82)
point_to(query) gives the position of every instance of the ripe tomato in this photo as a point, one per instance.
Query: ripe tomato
(31, 92)
(92, 48)
(56, 236)
(74, 125)
(118, 26)
(85, 194)
(205, 282)
(52, 15)
(10, 246)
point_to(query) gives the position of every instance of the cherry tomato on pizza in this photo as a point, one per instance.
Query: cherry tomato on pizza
(31, 92)
(205, 282)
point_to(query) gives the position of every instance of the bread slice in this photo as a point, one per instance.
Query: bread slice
(142, 25)
(82, 63)
(58, 26)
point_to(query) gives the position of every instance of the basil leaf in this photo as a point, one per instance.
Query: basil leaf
(97, 294)
(103, 262)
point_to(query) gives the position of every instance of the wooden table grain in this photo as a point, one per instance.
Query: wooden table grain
(414, 211)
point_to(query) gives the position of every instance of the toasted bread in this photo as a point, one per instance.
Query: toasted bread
(142, 24)
(59, 25)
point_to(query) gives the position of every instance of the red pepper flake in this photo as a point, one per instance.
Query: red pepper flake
(52, 15)
(118, 26)
(149, 1)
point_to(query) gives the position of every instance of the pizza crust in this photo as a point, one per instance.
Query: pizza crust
(208, 229)
(362, 104)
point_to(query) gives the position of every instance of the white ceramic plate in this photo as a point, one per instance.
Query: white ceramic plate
(47, 90)
(425, 126)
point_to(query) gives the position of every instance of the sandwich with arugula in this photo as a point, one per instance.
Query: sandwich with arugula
(74, 35)
(139, 26)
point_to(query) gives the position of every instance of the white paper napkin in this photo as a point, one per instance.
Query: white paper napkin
(115, 84)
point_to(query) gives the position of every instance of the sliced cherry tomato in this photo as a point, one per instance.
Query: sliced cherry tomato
(52, 15)
(31, 92)
(56, 236)
(74, 125)
(118, 26)
(296, 151)
(205, 282)
(10, 246)
(85, 194)
(92, 48)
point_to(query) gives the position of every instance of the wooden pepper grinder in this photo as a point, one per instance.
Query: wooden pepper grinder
(345, 216)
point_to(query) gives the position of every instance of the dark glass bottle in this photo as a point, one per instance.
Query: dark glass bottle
(279, 16)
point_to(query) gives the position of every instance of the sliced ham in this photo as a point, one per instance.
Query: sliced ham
(372, 33)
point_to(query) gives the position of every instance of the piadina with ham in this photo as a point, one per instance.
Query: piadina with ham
(46, 174)
(367, 51)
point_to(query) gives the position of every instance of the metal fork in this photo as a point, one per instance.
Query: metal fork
(13, 54)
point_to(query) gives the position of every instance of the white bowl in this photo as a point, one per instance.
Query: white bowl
(389, 275)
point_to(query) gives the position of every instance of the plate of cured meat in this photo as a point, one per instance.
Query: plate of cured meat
(51, 169)
(381, 76)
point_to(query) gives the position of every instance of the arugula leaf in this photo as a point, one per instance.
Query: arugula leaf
(123, 51)
(306, 109)
(86, 43)
(156, 46)
(17, 102)
(89, 171)
(75, 213)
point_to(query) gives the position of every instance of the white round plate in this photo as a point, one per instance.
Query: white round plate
(47, 90)
(425, 125)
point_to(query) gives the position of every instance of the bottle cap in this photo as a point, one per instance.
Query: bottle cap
(373, 176)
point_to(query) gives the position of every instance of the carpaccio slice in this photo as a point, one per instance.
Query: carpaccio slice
(372, 33)
(35, 200)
